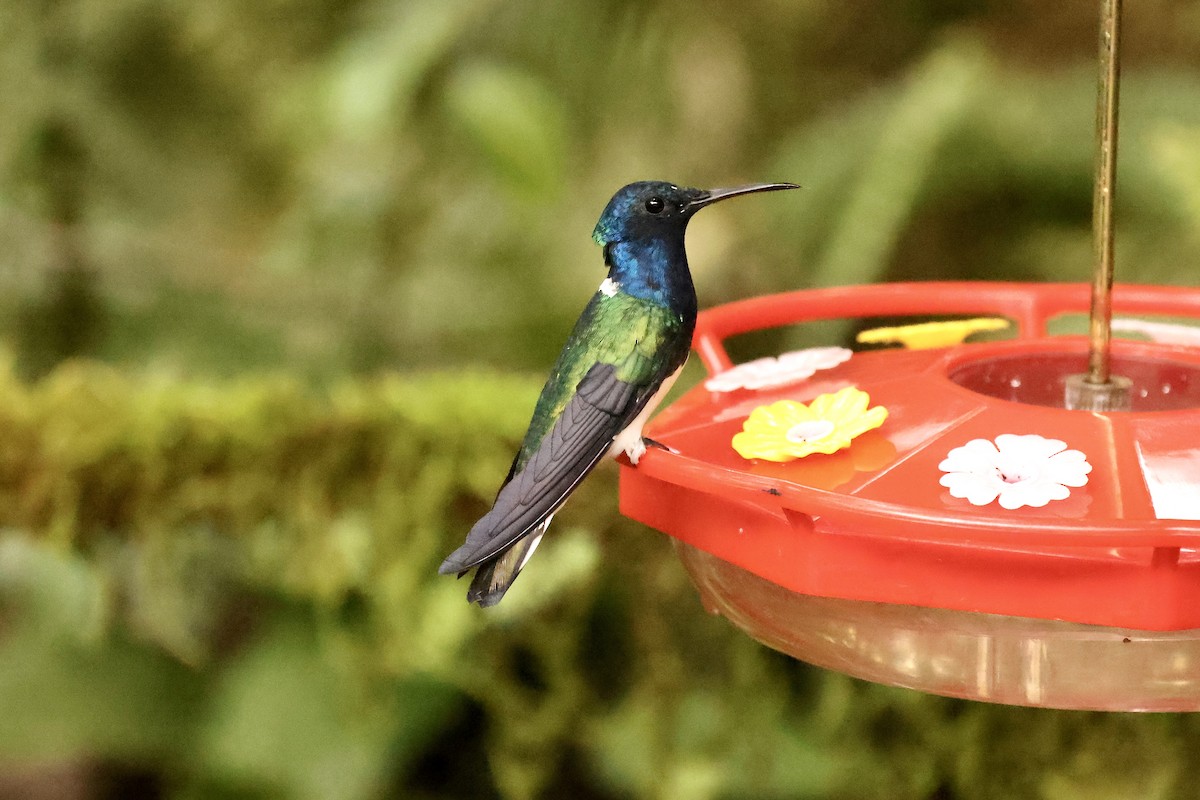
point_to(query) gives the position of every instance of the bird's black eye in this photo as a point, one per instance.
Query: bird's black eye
(655, 205)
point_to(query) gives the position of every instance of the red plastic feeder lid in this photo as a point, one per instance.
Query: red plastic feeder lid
(876, 522)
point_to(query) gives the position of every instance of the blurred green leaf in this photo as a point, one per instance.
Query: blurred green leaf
(1176, 155)
(910, 136)
(377, 75)
(424, 707)
(67, 692)
(48, 594)
(515, 121)
(285, 718)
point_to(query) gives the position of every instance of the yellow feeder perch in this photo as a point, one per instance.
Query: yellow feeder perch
(928, 335)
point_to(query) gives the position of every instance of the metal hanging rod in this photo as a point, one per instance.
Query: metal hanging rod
(1099, 389)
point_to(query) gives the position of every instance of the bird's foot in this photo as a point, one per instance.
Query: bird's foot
(659, 445)
(635, 450)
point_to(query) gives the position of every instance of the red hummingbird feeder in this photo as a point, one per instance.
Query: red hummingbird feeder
(1024, 525)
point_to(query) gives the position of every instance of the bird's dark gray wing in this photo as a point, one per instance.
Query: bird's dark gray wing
(601, 407)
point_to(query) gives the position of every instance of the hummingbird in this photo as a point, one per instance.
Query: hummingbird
(622, 357)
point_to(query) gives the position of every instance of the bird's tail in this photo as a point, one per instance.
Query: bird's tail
(493, 578)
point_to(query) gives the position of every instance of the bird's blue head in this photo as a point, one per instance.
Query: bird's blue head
(657, 209)
(642, 232)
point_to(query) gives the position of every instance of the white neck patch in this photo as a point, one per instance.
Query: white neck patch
(609, 287)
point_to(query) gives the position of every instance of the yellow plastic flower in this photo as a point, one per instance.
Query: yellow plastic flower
(787, 430)
(927, 335)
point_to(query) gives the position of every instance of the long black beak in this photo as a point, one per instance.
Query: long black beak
(713, 195)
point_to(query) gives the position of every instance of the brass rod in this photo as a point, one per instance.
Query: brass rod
(1107, 100)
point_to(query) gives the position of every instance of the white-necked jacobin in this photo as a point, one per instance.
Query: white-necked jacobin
(623, 355)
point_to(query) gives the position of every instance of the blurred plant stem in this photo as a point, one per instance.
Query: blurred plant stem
(68, 320)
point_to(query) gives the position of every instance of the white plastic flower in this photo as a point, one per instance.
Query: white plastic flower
(1161, 332)
(1020, 470)
(769, 372)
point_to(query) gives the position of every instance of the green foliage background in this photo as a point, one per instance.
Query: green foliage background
(276, 284)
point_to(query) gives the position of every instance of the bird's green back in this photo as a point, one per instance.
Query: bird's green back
(645, 341)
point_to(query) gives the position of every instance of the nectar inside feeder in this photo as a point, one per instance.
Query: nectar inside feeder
(1022, 527)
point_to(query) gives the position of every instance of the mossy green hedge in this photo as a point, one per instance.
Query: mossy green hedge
(230, 591)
